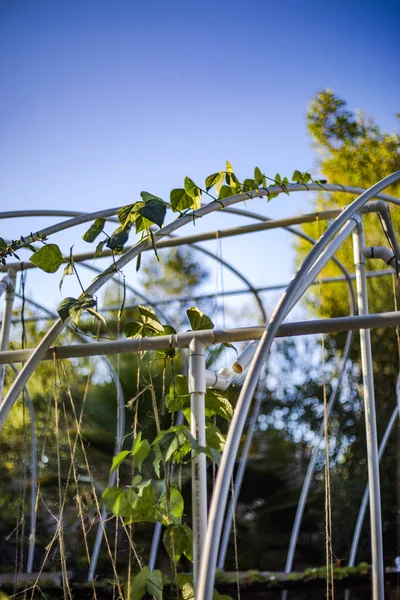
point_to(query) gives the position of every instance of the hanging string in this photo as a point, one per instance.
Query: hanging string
(330, 592)
(78, 424)
(121, 303)
(235, 541)
(64, 573)
(20, 527)
(220, 269)
(395, 285)
(78, 497)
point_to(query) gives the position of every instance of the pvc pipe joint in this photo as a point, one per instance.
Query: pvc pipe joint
(385, 254)
(219, 381)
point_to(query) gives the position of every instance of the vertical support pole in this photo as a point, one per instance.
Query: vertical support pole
(6, 324)
(370, 420)
(197, 391)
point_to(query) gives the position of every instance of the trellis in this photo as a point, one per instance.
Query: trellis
(208, 522)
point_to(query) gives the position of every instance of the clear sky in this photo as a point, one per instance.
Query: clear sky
(102, 99)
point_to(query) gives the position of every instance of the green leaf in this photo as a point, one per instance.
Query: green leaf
(174, 503)
(84, 302)
(147, 582)
(117, 460)
(178, 540)
(147, 325)
(117, 501)
(214, 437)
(124, 215)
(188, 591)
(94, 230)
(218, 404)
(178, 397)
(248, 185)
(155, 584)
(216, 179)
(97, 315)
(118, 239)
(225, 192)
(180, 200)
(64, 307)
(175, 443)
(140, 451)
(147, 196)
(229, 168)
(233, 182)
(151, 211)
(48, 258)
(139, 584)
(193, 191)
(68, 270)
(153, 243)
(198, 320)
(150, 318)
(133, 329)
(99, 249)
(297, 176)
(217, 596)
(144, 508)
(211, 453)
(74, 307)
(259, 178)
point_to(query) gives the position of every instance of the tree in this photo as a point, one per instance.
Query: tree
(353, 150)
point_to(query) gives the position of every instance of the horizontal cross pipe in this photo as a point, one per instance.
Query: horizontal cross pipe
(208, 337)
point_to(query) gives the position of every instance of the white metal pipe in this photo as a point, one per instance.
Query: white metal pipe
(364, 502)
(208, 337)
(385, 254)
(370, 421)
(197, 391)
(9, 282)
(384, 211)
(219, 381)
(222, 484)
(254, 418)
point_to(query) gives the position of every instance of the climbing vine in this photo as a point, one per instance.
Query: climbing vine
(153, 494)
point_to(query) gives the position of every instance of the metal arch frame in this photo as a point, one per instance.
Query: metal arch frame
(255, 414)
(222, 483)
(134, 251)
(365, 498)
(118, 446)
(221, 489)
(39, 213)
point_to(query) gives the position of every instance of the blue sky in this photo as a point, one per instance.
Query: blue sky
(102, 99)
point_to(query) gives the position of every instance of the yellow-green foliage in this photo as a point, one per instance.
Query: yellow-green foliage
(353, 151)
